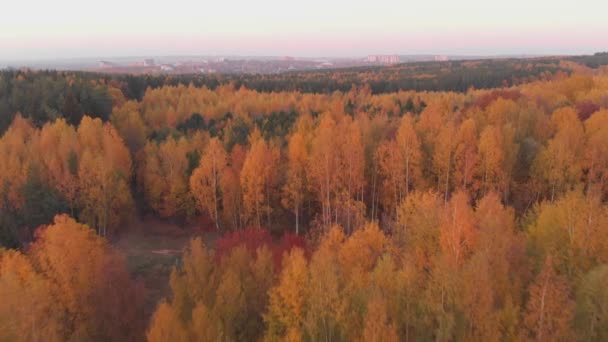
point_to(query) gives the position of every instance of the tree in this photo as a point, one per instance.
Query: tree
(204, 326)
(377, 325)
(596, 149)
(17, 151)
(443, 157)
(164, 175)
(88, 281)
(287, 306)
(324, 292)
(130, 125)
(232, 197)
(465, 156)
(296, 185)
(28, 312)
(352, 163)
(323, 166)
(550, 310)
(491, 154)
(457, 230)
(205, 180)
(257, 179)
(572, 230)
(417, 232)
(409, 150)
(591, 305)
(104, 171)
(363, 249)
(558, 163)
(400, 163)
(166, 326)
(501, 247)
(61, 147)
(478, 300)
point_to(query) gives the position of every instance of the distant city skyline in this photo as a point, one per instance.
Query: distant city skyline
(35, 30)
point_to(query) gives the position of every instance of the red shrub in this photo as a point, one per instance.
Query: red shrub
(251, 238)
(585, 109)
(288, 241)
(485, 100)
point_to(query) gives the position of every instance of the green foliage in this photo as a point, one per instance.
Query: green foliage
(592, 305)
(277, 124)
(194, 123)
(41, 204)
(43, 96)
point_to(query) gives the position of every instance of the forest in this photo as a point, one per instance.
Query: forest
(385, 210)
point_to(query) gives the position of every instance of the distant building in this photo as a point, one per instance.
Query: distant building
(441, 58)
(383, 59)
(148, 62)
(167, 67)
(106, 65)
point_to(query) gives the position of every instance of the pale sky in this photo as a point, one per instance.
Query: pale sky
(44, 29)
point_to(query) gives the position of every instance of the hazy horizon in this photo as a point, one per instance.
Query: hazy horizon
(63, 29)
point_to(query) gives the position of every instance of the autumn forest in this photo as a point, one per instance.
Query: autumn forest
(379, 207)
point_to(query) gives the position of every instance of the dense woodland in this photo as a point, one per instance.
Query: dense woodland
(362, 214)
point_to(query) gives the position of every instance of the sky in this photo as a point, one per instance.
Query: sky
(41, 29)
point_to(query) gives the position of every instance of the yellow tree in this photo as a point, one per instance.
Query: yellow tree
(164, 176)
(417, 232)
(89, 281)
(130, 125)
(324, 290)
(499, 244)
(258, 177)
(28, 311)
(232, 197)
(549, 311)
(295, 187)
(465, 156)
(457, 231)
(17, 151)
(400, 163)
(596, 149)
(104, 172)
(205, 180)
(408, 146)
(287, 307)
(591, 304)
(60, 158)
(491, 155)
(559, 163)
(572, 230)
(478, 300)
(363, 248)
(389, 165)
(352, 163)
(166, 326)
(443, 157)
(378, 327)
(204, 326)
(323, 165)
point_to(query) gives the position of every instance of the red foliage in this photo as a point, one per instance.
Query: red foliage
(206, 223)
(288, 241)
(585, 109)
(486, 99)
(253, 238)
